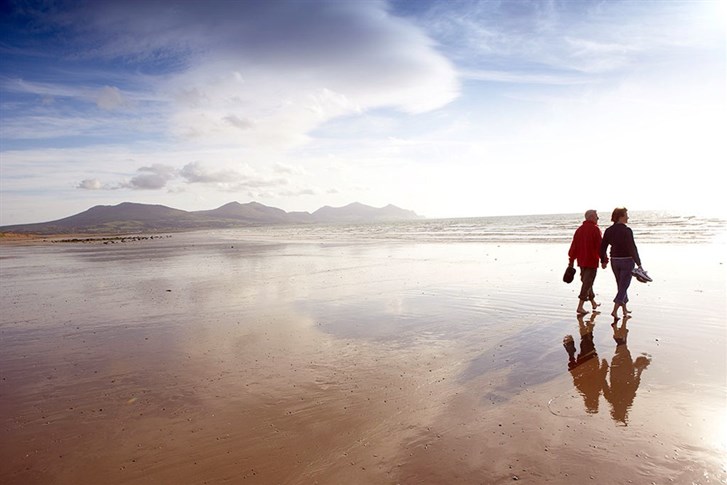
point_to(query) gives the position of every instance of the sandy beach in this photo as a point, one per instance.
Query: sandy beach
(198, 359)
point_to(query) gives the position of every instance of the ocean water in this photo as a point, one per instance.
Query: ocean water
(648, 227)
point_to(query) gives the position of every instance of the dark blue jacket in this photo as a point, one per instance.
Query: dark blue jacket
(621, 239)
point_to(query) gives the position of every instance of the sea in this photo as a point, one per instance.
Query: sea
(648, 227)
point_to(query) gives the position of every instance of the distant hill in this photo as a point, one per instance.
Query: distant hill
(250, 212)
(116, 219)
(357, 212)
(129, 217)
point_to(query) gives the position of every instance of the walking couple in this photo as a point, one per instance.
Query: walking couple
(589, 247)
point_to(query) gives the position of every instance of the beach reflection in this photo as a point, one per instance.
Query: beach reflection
(625, 375)
(592, 378)
(589, 376)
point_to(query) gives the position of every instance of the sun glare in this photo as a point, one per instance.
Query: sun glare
(718, 10)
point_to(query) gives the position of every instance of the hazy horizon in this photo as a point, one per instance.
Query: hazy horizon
(449, 109)
(576, 214)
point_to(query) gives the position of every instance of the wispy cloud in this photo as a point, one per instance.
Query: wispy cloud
(511, 77)
(110, 98)
(564, 38)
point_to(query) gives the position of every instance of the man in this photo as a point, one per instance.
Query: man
(585, 248)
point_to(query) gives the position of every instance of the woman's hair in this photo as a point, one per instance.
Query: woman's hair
(618, 213)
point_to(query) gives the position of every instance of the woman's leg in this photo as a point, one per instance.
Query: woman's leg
(616, 302)
(622, 271)
(626, 282)
(614, 313)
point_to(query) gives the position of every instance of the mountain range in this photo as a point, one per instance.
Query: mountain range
(130, 217)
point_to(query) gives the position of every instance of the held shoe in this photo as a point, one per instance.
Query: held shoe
(570, 272)
(641, 275)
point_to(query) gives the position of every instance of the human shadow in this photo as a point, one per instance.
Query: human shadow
(624, 375)
(589, 376)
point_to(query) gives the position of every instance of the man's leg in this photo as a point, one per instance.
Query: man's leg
(588, 275)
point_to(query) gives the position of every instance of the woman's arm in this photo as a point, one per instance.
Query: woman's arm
(634, 249)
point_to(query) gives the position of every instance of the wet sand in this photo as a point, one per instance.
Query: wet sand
(208, 360)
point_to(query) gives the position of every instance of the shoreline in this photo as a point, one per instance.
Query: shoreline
(17, 238)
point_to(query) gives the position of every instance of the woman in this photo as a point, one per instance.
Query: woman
(624, 256)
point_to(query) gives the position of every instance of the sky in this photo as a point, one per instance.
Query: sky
(449, 109)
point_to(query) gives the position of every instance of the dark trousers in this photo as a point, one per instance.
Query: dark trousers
(622, 268)
(588, 276)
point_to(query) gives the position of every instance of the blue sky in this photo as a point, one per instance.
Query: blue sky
(457, 108)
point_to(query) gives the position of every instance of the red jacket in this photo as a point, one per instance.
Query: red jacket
(586, 245)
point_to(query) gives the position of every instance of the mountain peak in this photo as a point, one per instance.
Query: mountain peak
(358, 212)
(131, 217)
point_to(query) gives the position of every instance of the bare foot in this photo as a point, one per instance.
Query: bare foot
(594, 304)
(582, 312)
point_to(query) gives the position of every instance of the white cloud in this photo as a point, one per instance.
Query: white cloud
(49, 90)
(196, 172)
(110, 98)
(191, 98)
(240, 123)
(151, 178)
(284, 168)
(272, 77)
(262, 72)
(90, 184)
(262, 182)
(161, 176)
(510, 77)
(297, 193)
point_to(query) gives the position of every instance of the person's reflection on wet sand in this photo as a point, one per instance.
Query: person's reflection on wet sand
(589, 376)
(625, 376)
